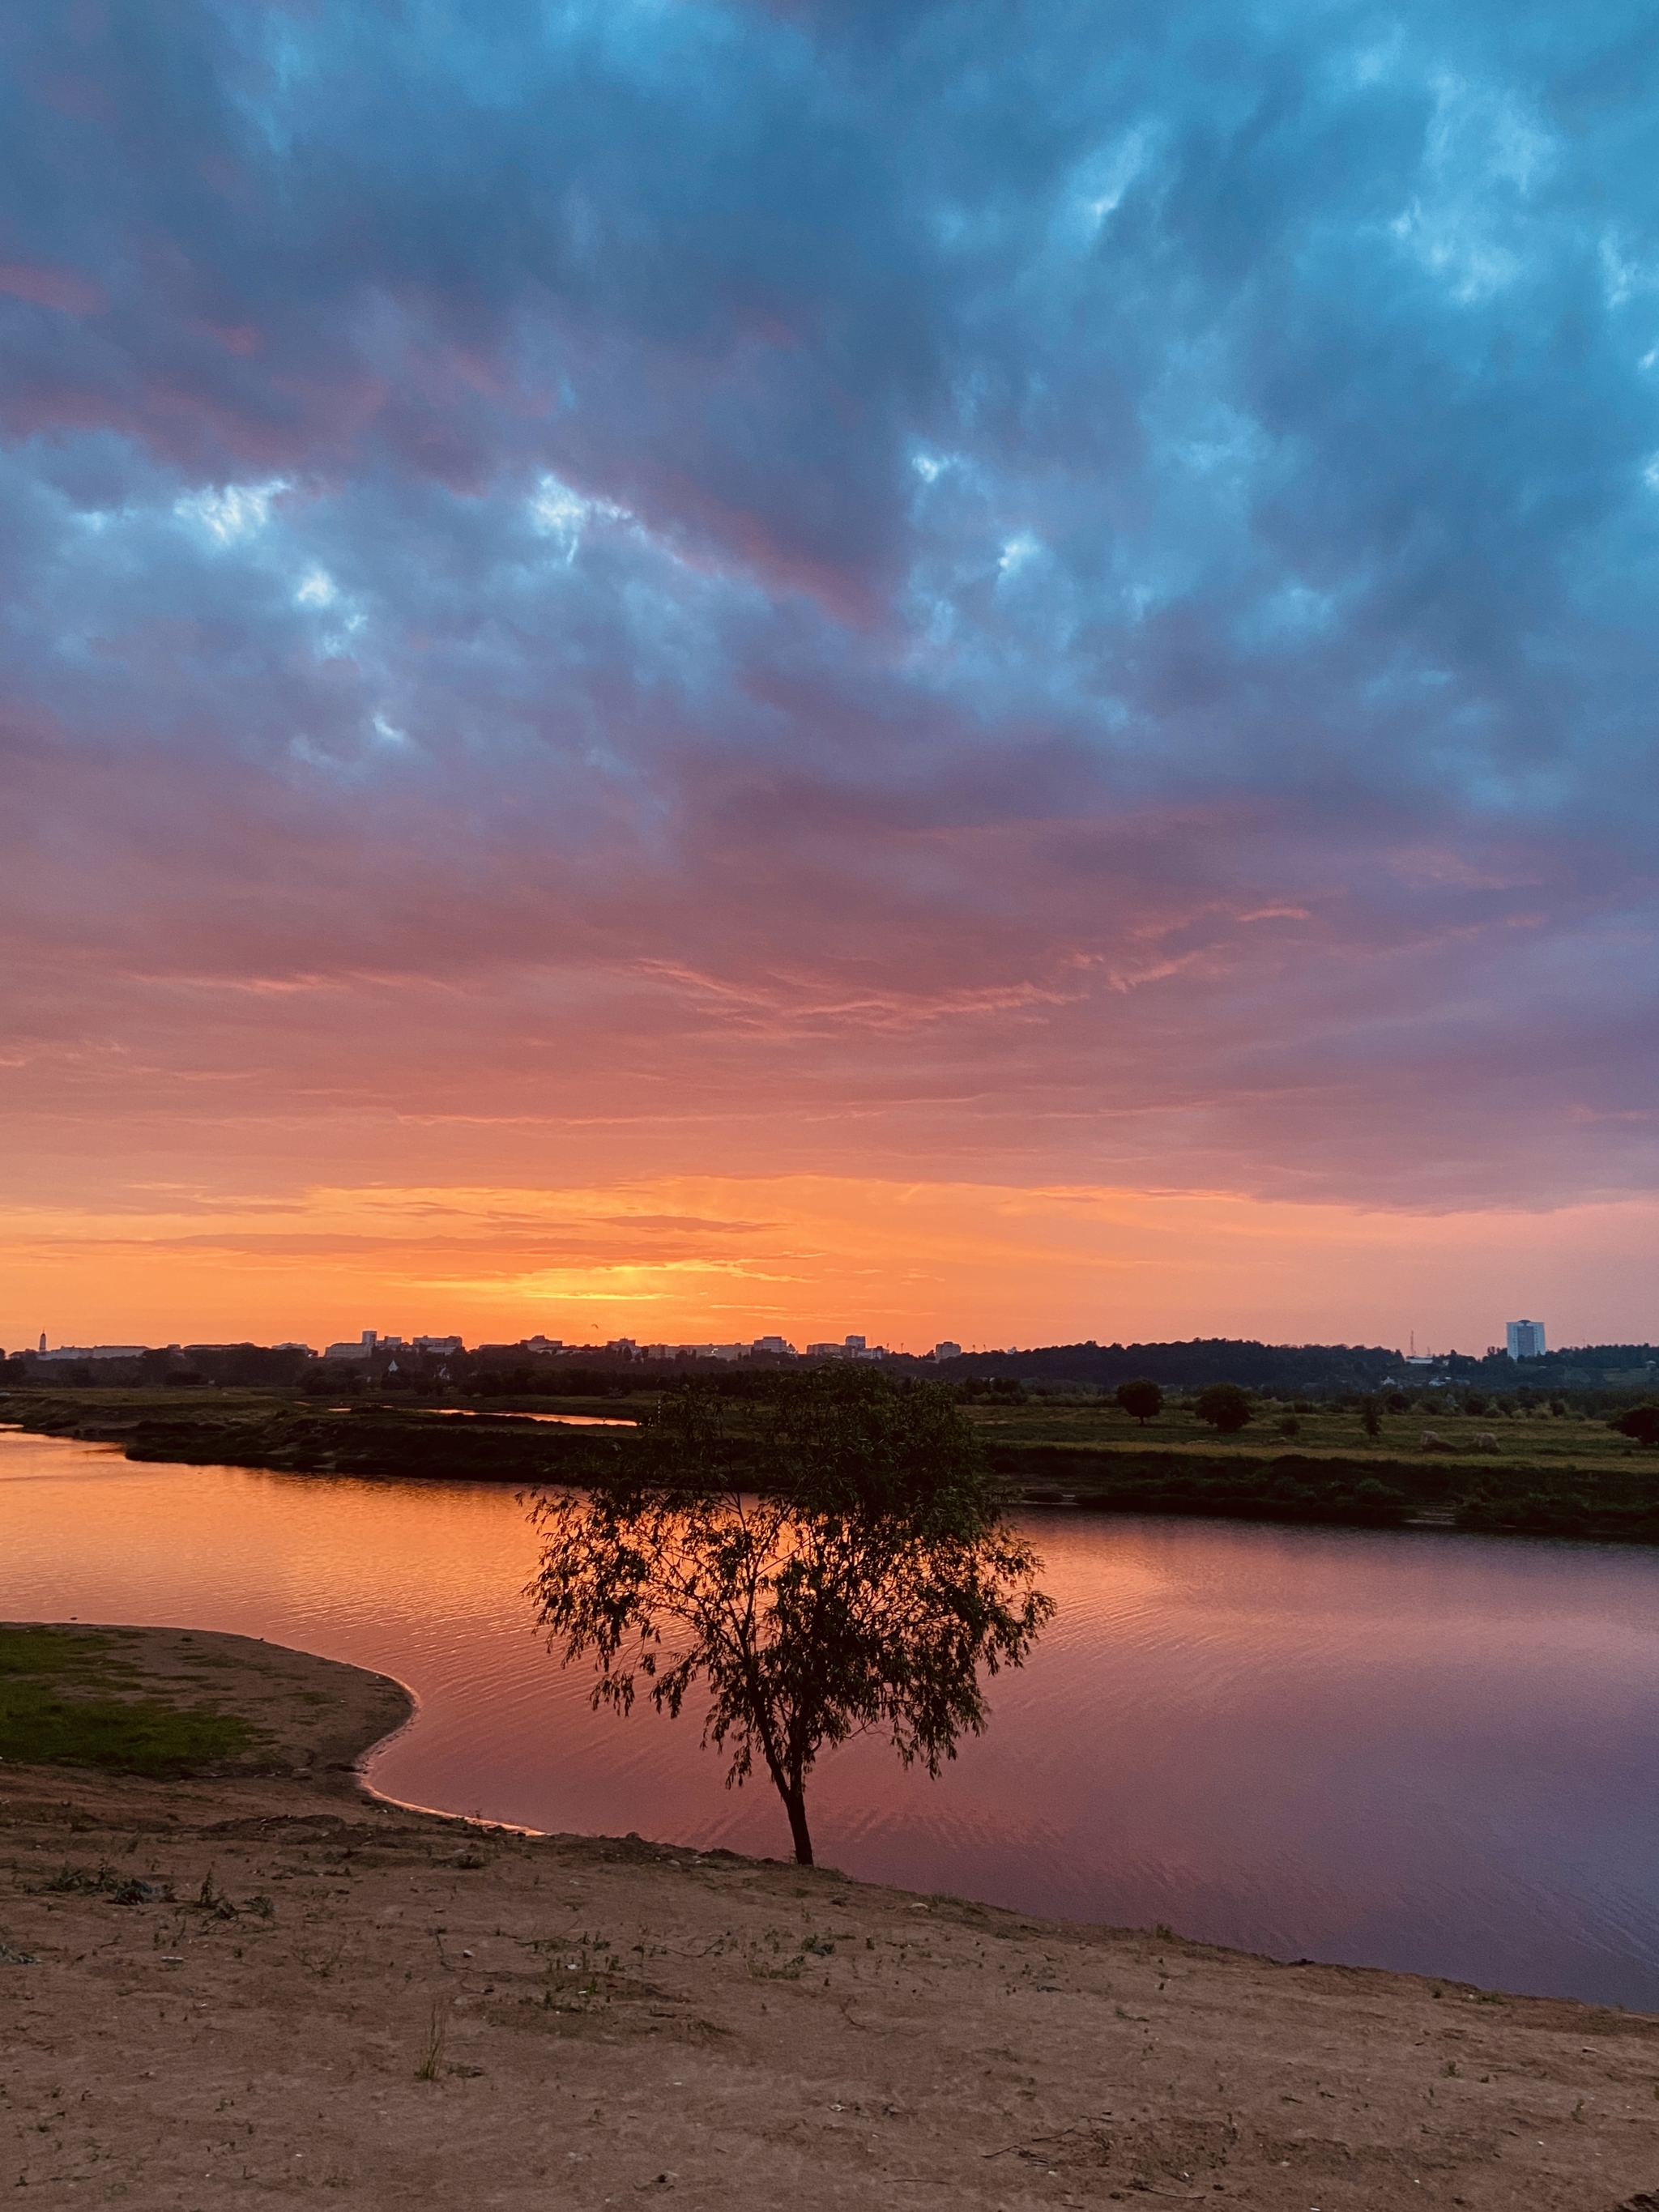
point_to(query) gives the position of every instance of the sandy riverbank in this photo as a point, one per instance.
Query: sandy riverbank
(401, 2010)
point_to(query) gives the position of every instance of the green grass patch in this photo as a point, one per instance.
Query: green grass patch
(52, 1713)
(60, 1654)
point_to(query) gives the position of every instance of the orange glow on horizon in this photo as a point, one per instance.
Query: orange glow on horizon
(728, 1259)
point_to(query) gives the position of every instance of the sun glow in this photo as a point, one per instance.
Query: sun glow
(806, 1257)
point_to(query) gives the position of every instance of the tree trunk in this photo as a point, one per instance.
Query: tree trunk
(794, 1801)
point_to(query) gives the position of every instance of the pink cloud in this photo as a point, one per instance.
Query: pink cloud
(53, 287)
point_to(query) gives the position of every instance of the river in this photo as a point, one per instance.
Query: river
(1421, 1751)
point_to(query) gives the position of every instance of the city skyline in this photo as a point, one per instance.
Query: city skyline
(1521, 1340)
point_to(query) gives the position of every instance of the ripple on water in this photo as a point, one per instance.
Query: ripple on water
(1419, 1751)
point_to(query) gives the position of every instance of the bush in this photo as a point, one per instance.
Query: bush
(1378, 1501)
(991, 1389)
(1224, 1406)
(1641, 1423)
(1142, 1400)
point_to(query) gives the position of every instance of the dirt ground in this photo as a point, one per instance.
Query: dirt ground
(225, 1992)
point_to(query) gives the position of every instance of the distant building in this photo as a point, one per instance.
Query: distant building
(364, 1349)
(694, 1351)
(439, 1344)
(854, 1344)
(1526, 1338)
(771, 1344)
(947, 1350)
(92, 1351)
(826, 1351)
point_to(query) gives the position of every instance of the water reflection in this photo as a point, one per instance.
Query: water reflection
(1418, 1751)
(562, 1420)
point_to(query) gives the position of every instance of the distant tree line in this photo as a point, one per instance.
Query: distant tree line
(1273, 1368)
(1285, 1371)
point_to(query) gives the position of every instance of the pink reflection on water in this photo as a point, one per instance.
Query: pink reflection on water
(1409, 1750)
(566, 1420)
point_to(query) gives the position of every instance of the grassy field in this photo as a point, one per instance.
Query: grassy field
(1550, 1443)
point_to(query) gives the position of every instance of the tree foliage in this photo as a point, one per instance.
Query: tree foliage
(1141, 1400)
(1641, 1422)
(1224, 1406)
(866, 1587)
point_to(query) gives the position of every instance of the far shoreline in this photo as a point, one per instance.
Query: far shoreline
(1446, 1489)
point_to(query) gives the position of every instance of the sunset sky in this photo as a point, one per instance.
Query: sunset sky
(688, 670)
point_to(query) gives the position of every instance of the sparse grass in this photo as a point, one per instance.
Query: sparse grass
(431, 2064)
(103, 1881)
(761, 1969)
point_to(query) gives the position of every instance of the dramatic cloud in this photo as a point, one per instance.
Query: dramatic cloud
(1055, 598)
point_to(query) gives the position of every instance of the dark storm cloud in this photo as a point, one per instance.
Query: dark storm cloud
(1108, 552)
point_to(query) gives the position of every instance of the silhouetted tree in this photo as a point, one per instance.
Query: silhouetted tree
(864, 1588)
(1142, 1400)
(1224, 1406)
(1370, 1417)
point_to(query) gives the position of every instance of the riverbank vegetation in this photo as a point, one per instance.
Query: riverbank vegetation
(1510, 1462)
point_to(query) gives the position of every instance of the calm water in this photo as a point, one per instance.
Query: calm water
(1418, 1751)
